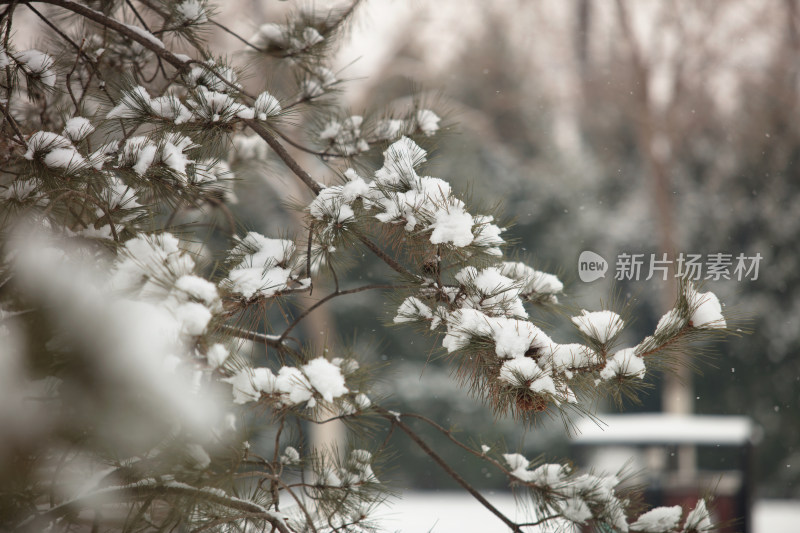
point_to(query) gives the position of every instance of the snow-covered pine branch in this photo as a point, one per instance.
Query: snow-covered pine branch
(126, 392)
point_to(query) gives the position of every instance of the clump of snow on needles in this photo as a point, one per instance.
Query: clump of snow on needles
(55, 151)
(533, 281)
(624, 363)
(400, 196)
(524, 371)
(136, 102)
(602, 326)
(77, 128)
(292, 385)
(412, 309)
(496, 293)
(191, 12)
(427, 121)
(698, 518)
(261, 267)
(658, 520)
(452, 225)
(38, 65)
(42, 142)
(706, 309)
(266, 106)
(512, 337)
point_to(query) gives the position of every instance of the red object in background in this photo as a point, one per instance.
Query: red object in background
(681, 458)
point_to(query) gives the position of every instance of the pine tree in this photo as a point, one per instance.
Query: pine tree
(128, 288)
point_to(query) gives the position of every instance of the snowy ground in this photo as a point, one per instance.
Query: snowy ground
(446, 512)
(776, 516)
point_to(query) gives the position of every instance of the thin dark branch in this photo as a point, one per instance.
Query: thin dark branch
(239, 37)
(95, 201)
(136, 492)
(220, 77)
(146, 27)
(672, 340)
(308, 253)
(301, 505)
(156, 9)
(137, 15)
(268, 340)
(448, 469)
(332, 295)
(301, 147)
(211, 524)
(231, 221)
(117, 26)
(68, 80)
(14, 126)
(449, 434)
(335, 278)
(388, 437)
(274, 481)
(386, 258)
(285, 156)
(315, 187)
(327, 154)
(79, 49)
(540, 521)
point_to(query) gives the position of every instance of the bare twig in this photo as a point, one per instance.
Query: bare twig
(95, 201)
(142, 491)
(672, 340)
(117, 26)
(268, 340)
(14, 126)
(239, 37)
(285, 156)
(308, 252)
(315, 187)
(386, 258)
(448, 469)
(68, 80)
(330, 297)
